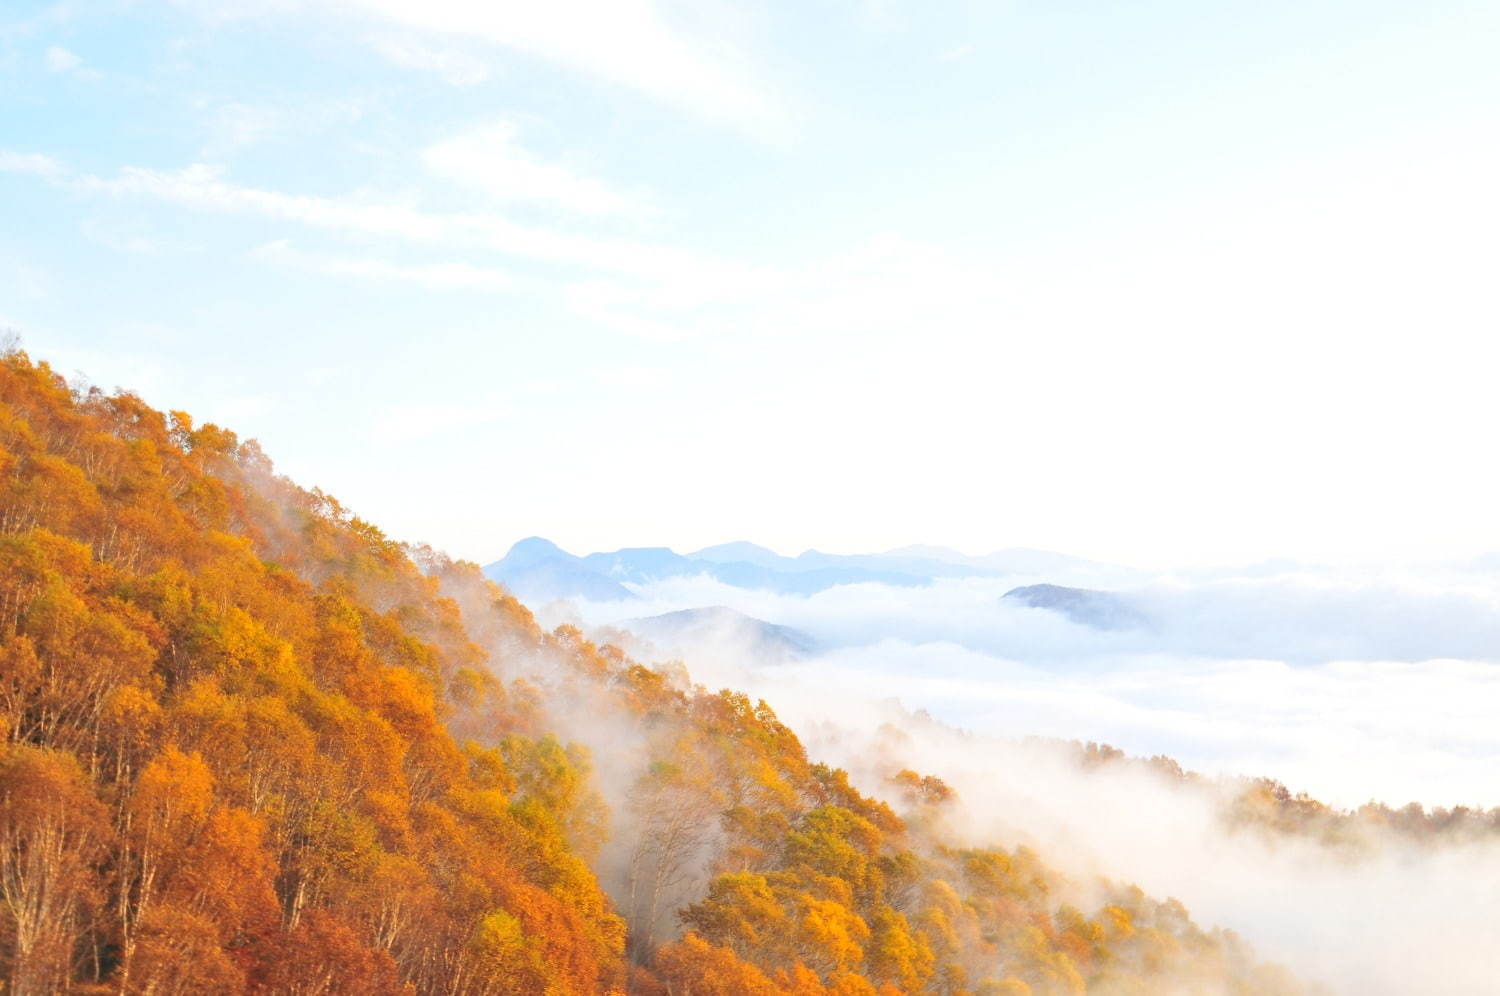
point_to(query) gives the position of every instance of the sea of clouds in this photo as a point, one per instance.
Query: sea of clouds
(1351, 685)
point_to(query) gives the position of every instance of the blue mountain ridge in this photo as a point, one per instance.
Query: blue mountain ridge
(537, 569)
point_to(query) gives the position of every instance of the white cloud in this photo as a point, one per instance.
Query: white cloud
(631, 43)
(1348, 685)
(235, 126)
(434, 276)
(203, 186)
(120, 238)
(1347, 731)
(1325, 913)
(31, 162)
(489, 159)
(457, 67)
(60, 60)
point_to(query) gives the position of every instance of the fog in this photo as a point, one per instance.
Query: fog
(1397, 919)
(1375, 686)
(1349, 687)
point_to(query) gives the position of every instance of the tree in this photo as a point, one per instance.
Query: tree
(675, 805)
(693, 967)
(52, 830)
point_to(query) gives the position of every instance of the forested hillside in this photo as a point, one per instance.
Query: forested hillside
(1266, 806)
(251, 744)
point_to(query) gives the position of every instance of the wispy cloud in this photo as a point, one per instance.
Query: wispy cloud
(636, 44)
(633, 44)
(457, 67)
(437, 276)
(60, 60)
(205, 187)
(120, 238)
(237, 126)
(231, 125)
(489, 159)
(49, 16)
(31, 162)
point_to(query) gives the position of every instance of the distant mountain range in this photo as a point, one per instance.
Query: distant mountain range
(537, 569)
(718, 626)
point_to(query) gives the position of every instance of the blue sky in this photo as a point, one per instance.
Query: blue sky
(1155, 282)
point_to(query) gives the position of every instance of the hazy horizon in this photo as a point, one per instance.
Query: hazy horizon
(1160, 286)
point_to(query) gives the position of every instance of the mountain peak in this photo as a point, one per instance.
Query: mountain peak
(738, 551)
(533, 550)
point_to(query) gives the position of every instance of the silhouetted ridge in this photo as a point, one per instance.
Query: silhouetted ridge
(1100, 609)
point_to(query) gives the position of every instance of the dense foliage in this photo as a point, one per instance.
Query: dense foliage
(251, 744)
(1266, 806)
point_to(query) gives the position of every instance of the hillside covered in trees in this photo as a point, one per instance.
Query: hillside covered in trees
(253, 745)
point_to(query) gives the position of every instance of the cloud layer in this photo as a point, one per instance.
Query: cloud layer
(1350, 686)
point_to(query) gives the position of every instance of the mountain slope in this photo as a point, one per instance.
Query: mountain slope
(251, 745)
(227, 766)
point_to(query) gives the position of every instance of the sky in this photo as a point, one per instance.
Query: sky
(1163, 283)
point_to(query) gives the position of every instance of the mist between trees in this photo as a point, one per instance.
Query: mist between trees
(251, 744)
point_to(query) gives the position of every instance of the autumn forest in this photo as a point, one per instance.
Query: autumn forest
(253, 745)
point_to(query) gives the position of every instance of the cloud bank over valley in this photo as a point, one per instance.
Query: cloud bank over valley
(1350, 686)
